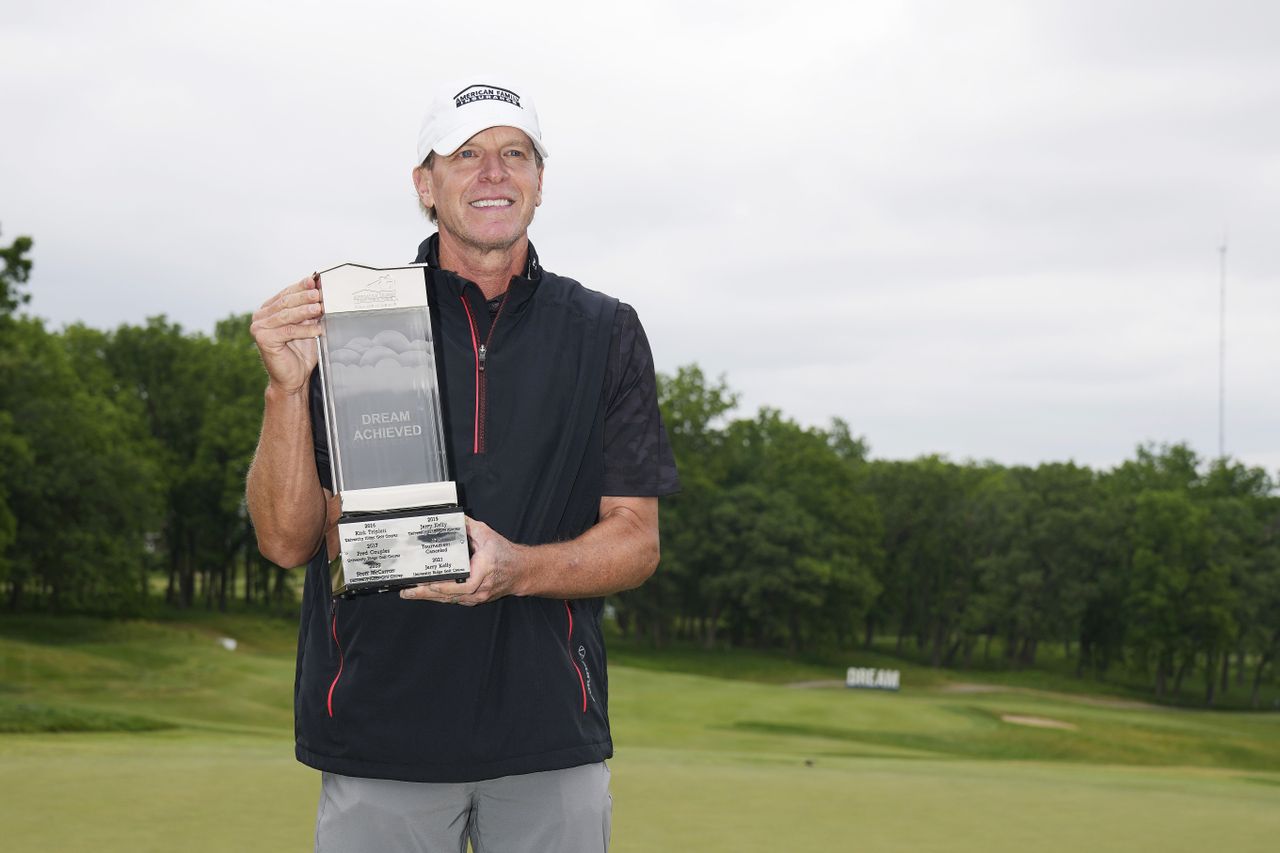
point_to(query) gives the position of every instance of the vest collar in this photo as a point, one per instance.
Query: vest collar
(519, 290)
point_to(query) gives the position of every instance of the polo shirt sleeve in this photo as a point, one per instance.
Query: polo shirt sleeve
(638, 461)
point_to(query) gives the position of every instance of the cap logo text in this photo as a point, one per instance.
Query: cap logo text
(471, 94)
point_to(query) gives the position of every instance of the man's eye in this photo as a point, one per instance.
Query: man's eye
(515, 152)
(467, 153)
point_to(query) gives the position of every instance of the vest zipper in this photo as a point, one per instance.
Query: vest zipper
(481, 351)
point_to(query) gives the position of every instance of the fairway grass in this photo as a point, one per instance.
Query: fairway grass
(666, 800)
(165, 792)
(703, 763)
(157, 793)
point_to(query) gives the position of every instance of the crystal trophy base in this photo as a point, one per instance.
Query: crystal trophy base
(382, 551)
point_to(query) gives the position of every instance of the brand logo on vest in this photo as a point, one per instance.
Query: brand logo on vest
(586, 671)
(481, 92)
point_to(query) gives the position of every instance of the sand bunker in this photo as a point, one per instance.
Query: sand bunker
(1037, 722)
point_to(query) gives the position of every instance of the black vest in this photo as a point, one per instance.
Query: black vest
(425, 692)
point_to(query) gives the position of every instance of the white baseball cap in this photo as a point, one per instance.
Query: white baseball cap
(461, 109)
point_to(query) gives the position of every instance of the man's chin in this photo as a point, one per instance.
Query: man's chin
(485, 242)
(494, 245)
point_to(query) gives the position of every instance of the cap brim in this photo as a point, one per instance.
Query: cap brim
(454, 140)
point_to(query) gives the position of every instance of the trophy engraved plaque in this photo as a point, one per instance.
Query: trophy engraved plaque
(401, 524)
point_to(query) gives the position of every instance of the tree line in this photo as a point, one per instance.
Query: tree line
(123, 455)
(122, 462)
(791, 537)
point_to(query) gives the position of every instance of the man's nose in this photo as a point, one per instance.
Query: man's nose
(492, 168)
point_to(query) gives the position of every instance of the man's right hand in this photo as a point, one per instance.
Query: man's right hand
(283, 329)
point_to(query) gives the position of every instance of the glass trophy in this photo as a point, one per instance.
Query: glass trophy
(401, 524)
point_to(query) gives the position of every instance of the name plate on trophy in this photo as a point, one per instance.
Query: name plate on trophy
(401, 524)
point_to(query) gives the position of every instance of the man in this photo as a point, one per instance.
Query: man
(475, 711)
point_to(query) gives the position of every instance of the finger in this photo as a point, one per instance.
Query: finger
(426, 592)
(295, 299)
(453, 589)
(422, 592)
(477, 533)
(308, 312)
(333, 507)
(311, 282)
(289, 339)
(276, 337)
(468, 600)
(306, 350)
(446, 591)
(476, 524)
(289, 316)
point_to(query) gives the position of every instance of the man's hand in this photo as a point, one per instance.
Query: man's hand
(495, 566)
(617, 553)
(283, 492)
(283, 328)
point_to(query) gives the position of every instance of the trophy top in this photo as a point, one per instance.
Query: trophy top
(356, 287)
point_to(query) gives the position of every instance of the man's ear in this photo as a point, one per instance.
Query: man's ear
(422, 183)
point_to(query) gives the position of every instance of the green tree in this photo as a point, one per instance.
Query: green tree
(201, 399)
(165, 370)
(235, 382)
(1261, 633)
(1181, 600)
(14, 274)
(1042, 532)
(693, 412)
(14, 452)
(15, 456)
(82, 489)
(930, 572)
(75, 498)
(1243, 515)
(820, 472)
(771, 537)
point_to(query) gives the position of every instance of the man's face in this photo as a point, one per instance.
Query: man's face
(485, 192)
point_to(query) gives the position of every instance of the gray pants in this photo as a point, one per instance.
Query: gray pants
(559, 811)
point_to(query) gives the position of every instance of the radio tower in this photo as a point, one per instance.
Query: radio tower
(1222, 346)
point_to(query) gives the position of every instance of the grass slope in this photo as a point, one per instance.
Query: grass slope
(715, 752)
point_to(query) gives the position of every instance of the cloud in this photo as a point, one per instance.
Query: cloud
(983, 229)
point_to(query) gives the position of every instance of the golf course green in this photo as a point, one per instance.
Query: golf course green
(154, 736)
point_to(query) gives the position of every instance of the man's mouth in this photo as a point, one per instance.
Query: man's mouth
(492, 202)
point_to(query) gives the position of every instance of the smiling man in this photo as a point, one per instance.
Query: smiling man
(477, 711)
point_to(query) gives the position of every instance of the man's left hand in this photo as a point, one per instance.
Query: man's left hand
(495, 564)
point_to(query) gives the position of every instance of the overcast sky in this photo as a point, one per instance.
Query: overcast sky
(989, 230)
